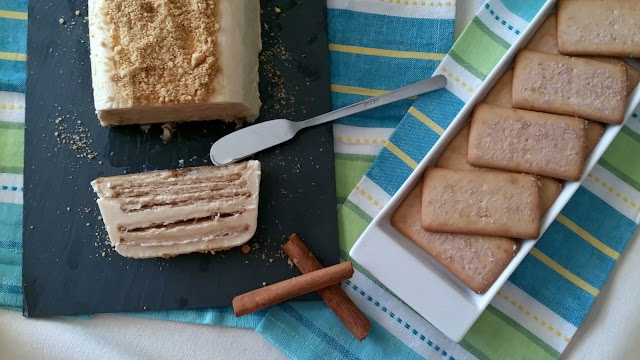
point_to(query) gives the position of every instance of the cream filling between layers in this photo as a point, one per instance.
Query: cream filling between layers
(207, 225)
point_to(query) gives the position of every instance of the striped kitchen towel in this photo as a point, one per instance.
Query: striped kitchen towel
(539, 309)
(377, 45)
(13, 44)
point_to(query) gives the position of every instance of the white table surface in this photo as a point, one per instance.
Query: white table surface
(611, 330)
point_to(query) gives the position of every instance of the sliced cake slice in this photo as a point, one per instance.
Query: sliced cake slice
(172, 212)
(157, 61)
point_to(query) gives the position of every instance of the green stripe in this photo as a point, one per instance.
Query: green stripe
(524, 331)
(349, 169)
(477, 73)
(355, 157)
(500, 337)
(632, 134)
(11, 169)
(620, 157)
(473, 350)
(617, 172)
(353, 207)
(478, 49)
(11, 125)
(352, 222)
(497, 39)
(12, 149)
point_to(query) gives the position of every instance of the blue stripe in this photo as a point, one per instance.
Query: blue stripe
(11, 245)
(13, 76)
(387, 116)
(525, 10)
(379, 344)
(441, 106)
(576, 255)
(14, 5)
(10, 233)
(552, 290)
(389, 172)
(398, 33)
(12, 36)
(347, 70)
(317, 331)
(414, 138)
(10, 289)
(600, 219)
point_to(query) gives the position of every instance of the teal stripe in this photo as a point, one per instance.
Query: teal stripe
(353, 207)
(525, 10)
(14, 5)
(534, 339)
(493, 36)
(11, 125)
(619, 173)
(477, 73)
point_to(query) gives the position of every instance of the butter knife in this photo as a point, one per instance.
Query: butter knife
(245, 142)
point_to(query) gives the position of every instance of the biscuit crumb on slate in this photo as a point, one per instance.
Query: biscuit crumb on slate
(168, 130)
(246, 248)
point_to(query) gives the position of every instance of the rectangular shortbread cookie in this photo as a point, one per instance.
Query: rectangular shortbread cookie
(160, 61)
(527, 141)
(599, 27)
(455, 157)
(572, 86)
(594, 133)
(474, 259)
(546, 40)
(500, 93)
(481, 203)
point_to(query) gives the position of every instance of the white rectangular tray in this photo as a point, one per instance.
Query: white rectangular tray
(418, 279)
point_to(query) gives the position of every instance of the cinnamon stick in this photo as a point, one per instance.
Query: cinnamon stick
(346, 310)
(273, 294)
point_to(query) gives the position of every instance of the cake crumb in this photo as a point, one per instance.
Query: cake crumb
(277, 10)
(168, 130)
(264, 283)
(245, 248)
(78, 13)
(61, 21)
(145, 127)
(290, 262)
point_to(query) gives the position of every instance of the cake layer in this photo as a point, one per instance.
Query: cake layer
(172, 212)
(169, 61)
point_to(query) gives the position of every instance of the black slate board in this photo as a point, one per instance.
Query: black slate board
(67, 267)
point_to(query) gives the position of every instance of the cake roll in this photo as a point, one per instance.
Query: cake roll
(158, 61)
